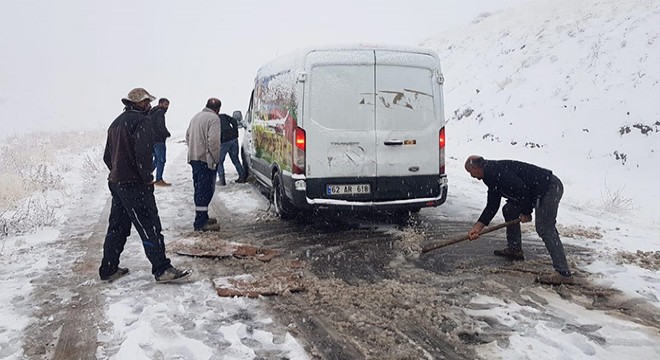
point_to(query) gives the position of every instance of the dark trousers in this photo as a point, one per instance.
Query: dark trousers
(133, 204)
(159, 159)
(204, 184)
(546, 220)
(231, 148)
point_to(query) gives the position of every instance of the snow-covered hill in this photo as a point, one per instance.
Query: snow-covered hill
(569, 85)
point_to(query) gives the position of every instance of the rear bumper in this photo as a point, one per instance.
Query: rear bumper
(420, 192)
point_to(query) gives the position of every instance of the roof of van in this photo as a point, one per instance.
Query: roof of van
(296, 58)
(369, 46)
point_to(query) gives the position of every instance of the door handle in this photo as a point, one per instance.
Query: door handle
(393, 142)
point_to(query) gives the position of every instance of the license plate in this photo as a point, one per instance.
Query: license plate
(352, 189)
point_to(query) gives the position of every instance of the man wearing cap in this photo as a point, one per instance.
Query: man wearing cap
(128, 155)
(203, 139)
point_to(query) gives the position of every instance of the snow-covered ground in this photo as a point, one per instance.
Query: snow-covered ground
(567, 85)
(570, 86)
(144, 320)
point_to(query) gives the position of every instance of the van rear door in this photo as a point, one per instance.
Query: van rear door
(408, 121)
(339, 117)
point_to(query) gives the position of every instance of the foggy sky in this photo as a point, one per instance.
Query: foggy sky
(65, 65)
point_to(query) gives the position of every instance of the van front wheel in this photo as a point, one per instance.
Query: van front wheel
(283, 206)
(245, 164)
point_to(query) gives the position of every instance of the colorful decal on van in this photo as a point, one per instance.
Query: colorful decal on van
(275, 119)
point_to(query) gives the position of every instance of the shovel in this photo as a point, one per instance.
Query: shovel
(466, 237)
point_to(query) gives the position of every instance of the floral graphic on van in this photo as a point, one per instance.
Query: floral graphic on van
(275, 119)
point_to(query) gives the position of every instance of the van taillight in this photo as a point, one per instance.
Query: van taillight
(441, 147)
(300, 139)
(299, 151)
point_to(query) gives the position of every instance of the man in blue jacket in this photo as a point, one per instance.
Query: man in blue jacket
(526, 187)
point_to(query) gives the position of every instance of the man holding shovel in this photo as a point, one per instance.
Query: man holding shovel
(526, 187)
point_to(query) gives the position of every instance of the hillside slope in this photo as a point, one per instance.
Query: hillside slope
(569, 85)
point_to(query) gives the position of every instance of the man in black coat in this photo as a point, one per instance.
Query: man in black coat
(128, 156)
(526, 187)
(229, 145)
(161, 134)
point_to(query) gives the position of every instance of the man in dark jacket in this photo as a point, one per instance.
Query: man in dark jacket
(128, 155)
(229, 145)
(526, 187)
(161, 134)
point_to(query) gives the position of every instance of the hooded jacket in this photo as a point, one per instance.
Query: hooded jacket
(157, 116)
(203, 138)
(516, 181)
(129, 147)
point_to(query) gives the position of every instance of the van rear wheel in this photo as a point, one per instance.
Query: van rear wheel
(283, 206)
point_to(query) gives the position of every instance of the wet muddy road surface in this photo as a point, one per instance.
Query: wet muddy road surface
(371, 295)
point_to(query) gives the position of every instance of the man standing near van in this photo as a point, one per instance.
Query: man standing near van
(128, 156)
(526, 187)
(203, 139)
(229, 145)
(161, 134)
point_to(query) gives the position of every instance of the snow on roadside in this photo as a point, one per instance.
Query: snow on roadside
(147, 320)
(567, 86)
(564, 330)
(190, 321)
(62, 162)
(20, 263)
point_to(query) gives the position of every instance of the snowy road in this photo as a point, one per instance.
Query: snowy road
(369, 294)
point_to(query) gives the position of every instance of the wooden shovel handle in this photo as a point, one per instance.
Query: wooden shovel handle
(466, 237)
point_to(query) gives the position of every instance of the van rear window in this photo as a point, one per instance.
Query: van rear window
(404, 97)
(342, 97)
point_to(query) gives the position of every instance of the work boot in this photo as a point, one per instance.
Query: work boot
(116, 275)
(173, 275)
(509, 254)
(556, 279)
(240, 180)
(212, 221)
(162, 183)
(222, 182)
(209, 227)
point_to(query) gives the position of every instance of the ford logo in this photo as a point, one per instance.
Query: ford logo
(413, 169)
